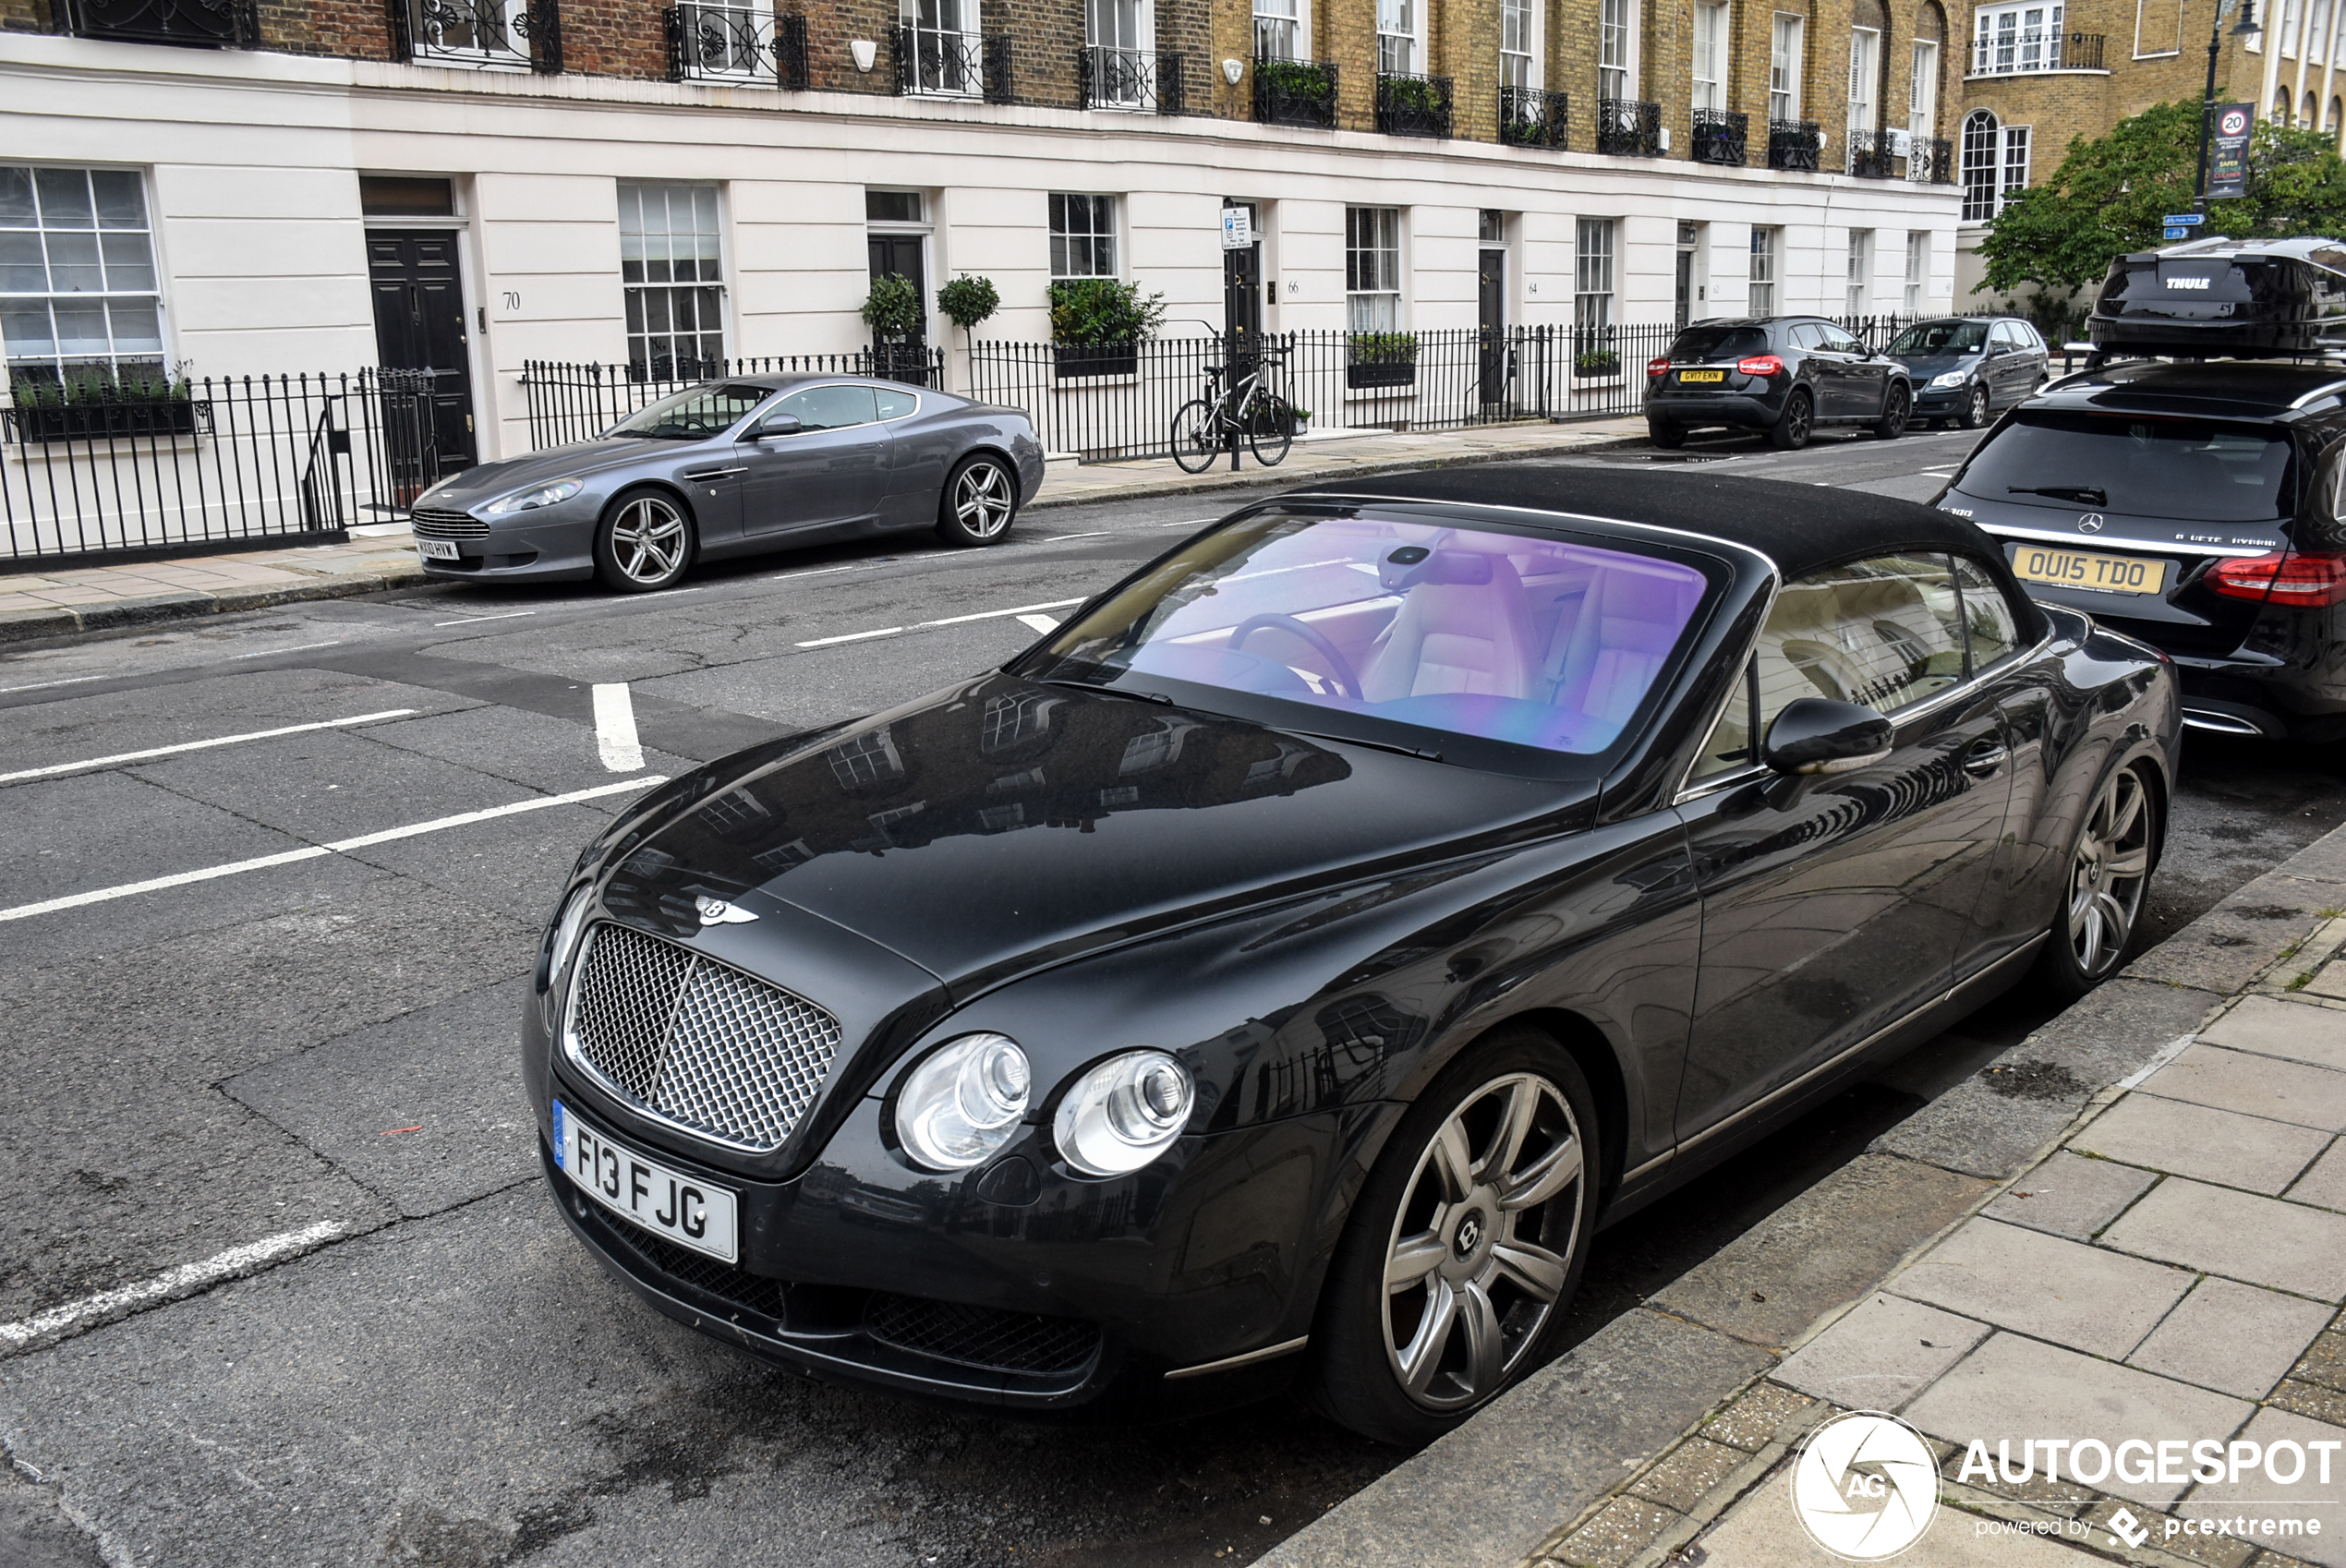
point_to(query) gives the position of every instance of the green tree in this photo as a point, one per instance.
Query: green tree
(2109, 194)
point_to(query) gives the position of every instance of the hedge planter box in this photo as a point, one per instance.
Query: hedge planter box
(1597, 367)
(1391, 373)
(1070, 361)
(99, 421)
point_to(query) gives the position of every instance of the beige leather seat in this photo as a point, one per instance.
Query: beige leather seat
(1461, 628)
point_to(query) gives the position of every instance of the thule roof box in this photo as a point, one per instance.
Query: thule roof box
(2223, 298)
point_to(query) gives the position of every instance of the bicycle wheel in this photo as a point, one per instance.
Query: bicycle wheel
(1197, 439)
(1270, 430)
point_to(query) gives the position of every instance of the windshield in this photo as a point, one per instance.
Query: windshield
(1718, 343)
(695, 414)
(2194, 469)
(1400, 633)
(1940, 337)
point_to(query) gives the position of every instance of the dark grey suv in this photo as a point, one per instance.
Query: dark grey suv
(1785, 375)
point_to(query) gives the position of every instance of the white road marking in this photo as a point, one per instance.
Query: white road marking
(996, 614)
(315, 851)
(615, 728)
(815, 571)
(1020, 611)
(265, 653)
(184, 1280)
(1094, 534)
(43, 685)
(852, 637)
(1190, 522)
(474, 619)
(1039, 622)
(56, 769)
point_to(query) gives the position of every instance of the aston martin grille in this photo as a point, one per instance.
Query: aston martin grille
(430, 523)
(696, 1043)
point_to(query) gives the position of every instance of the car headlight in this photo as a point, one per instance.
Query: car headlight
(544, 495)
(1124, 1112)
(963, 1101)
(1952, 379)
(567, 926)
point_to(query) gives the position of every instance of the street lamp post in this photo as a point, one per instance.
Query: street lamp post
(2244, 30)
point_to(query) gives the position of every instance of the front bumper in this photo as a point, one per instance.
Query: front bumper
(1934, 402)
(554, 547)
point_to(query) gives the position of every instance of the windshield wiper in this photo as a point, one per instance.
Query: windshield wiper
(1394, 746)
(2085, 494)
(1137, 696)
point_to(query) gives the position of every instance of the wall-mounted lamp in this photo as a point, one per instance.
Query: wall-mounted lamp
(865, 52)
(1232, 70)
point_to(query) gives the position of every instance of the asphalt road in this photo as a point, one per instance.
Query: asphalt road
(301, 1072)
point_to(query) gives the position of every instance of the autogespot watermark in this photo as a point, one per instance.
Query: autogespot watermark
(1865, 1486)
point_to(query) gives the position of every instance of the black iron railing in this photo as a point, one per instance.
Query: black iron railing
(2023, 51)
(1532, 116)
(211, 24)
(1295, 92)
(943, 62)
(1719, 136)
(576, 402)
(1412, 105)
(481, 33)
(1628, 129)
(215, 464)
(1871, 153)
(1794, 145)
(1930, 160)
(715, 42)
(1146, 80)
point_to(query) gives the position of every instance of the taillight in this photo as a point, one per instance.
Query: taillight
(1759, 364)
(1658, 367)
(2281, 577)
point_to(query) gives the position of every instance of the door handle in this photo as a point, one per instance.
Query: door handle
(1985, 757)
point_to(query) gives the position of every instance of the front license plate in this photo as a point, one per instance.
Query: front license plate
(2103, 573)
(437, 550)
(680, 1207)
(1693, 377)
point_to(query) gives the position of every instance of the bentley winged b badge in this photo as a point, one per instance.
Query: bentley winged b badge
(716, 912)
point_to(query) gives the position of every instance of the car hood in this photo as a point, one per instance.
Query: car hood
(1922, 367)
(1002, 826)
(487, 481)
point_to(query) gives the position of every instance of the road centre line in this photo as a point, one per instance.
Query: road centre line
(297, 647)
(1094, 534)
(43, 685)
(852, 637)
(55, 768)
(615, 737)
(996, 614)
(474, 619)
(318, 852)
(184, 1280)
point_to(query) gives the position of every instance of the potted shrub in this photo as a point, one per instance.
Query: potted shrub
(893, 312)
(968, 301)
(1380, 359)
(1098, 325)
(99, 403)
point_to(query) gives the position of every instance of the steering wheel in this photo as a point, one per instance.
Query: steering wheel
(1338, 666)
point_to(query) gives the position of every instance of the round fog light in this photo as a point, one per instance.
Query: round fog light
(1124, 1112)
(963, 1101)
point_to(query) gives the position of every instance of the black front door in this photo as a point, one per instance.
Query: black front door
(1491, 317)
(900, 256)
(420, 325)
(1242, 291)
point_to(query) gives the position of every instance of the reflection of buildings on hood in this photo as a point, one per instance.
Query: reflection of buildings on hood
(997, 756)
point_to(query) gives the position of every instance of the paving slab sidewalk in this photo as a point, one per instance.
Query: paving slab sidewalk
(66, 601)
(2131, 1224)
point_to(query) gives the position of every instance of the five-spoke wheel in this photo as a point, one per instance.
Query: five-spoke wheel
(981, 500)
(645, 542)
(2109, 867)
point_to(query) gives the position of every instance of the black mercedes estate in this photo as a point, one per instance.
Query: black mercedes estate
(1275, 975)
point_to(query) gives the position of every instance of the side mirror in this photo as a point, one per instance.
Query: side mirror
(778, 425)
(1818, 735)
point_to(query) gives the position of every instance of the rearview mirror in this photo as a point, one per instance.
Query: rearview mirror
(778, 425)
(1818, 735)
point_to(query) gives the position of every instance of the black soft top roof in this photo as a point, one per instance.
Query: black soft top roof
(1799, 526)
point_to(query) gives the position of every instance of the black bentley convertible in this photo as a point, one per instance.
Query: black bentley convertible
(1281, 970)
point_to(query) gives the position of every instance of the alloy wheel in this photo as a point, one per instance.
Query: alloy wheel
(1471, 1272)
(2107, 874)
(982, 502)
(1976, 411)
(648, 539)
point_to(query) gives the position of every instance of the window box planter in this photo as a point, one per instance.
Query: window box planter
(1595, 364)
(1389, 373)
(1380, 359)
(1071, 361)
(43, 421)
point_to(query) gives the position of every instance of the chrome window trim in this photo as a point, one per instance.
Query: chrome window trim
(2095, 544)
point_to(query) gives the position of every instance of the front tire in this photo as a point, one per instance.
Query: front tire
(1795, 423)
(1196, 443)
(1976, 411)
(1466, 1244)
(1270, 434)
(2111, 860)
(979, 503)
(1897, 407)
(644, 541)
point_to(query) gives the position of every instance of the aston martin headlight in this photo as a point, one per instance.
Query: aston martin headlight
(1124, 1112)
(567, 926)
(544, 495)
(963, 1101)
(1952, 379)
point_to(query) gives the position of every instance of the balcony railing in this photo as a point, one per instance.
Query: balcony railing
(946, 63)
(1532, 116)
(1295, 92)
(1794, 145)
(1720, 136)
(1628, 129)
(2023, 50)
(1871, 153)
(1143, 80)
(737, 43)
(211, 24)
(1930, 161)
(484, 34)
(1412, 105)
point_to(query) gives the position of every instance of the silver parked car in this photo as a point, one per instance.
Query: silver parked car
(734, 467)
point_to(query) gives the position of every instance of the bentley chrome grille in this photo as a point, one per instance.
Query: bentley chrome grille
(433, 523)
(696, 1042)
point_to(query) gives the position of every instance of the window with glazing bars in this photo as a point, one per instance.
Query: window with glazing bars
(670, 267)
(1372, 268)
(79, 300)
(1922, 92)
(1861, 270)
(1397, 37)
(2010, 39)
(1616, 43)
(1278, 34)
(1519, 62)
(1592, 273)
(1083, 236)
(1763, 271)
(1786, 42)
(1711, 56)
(1918, 268)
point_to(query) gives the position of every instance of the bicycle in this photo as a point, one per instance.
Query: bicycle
(1206, 428)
